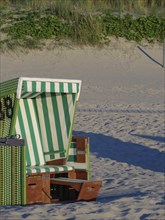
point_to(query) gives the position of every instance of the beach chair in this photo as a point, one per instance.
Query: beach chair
(40, 160)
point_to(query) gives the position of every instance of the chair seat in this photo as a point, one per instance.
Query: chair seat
(48, 169)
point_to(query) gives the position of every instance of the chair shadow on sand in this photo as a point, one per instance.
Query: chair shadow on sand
(126, 152)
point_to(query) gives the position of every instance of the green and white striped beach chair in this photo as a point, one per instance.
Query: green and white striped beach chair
(41, 111)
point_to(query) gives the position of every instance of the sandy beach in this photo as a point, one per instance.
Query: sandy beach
(121, 109)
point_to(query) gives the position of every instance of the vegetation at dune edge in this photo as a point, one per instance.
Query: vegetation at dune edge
(29, 23)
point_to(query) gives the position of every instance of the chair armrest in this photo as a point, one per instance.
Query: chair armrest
(61, 161)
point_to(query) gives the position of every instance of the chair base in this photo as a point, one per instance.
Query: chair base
(52, 188)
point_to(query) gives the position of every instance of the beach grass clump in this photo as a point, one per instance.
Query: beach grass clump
(150, 28)
(87, 22)
(137, 7)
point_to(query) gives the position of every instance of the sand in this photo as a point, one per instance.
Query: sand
(121, 109)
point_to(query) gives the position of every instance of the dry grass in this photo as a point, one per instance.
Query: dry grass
(137, 7)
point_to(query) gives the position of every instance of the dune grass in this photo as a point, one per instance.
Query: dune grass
(28, 23)
(139, 7)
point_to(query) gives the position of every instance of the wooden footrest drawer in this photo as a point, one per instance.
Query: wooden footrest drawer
(76, 189)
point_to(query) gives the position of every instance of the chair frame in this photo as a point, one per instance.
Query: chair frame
(41, 187)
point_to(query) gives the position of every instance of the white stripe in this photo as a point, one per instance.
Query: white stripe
(78, 165)
(66, 90)
(42, 169)
(58, 156)
(74, 88)
(33, 170)
(71, 108)
(19, 88)
(72, 151)
(42, 124)
(61, 168)
(29, 86)
(47, 86)
(57, 87)
(70, 168)
(47, 157)
(38, 86)
(36, 132)
(28, 137)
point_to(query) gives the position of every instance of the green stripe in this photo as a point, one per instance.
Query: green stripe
(28, 170)
(52, 87)
(74, 95)
(61, 87)
(54, 152)
(77, 90)
(47, 169)
(70, 89)
(65, 168)
(57, 124)
(72, 158)
(66, 113)
(23, 133)
(38, 169)
(43, 87)
(33, 86)
(25, 88)
(33, 138)
(47, 123)
(73, 145)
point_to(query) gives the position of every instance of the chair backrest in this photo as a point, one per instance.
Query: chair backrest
(55, 114)
(45, 117)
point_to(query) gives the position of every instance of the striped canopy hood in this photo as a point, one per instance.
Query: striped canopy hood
(43, 115)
